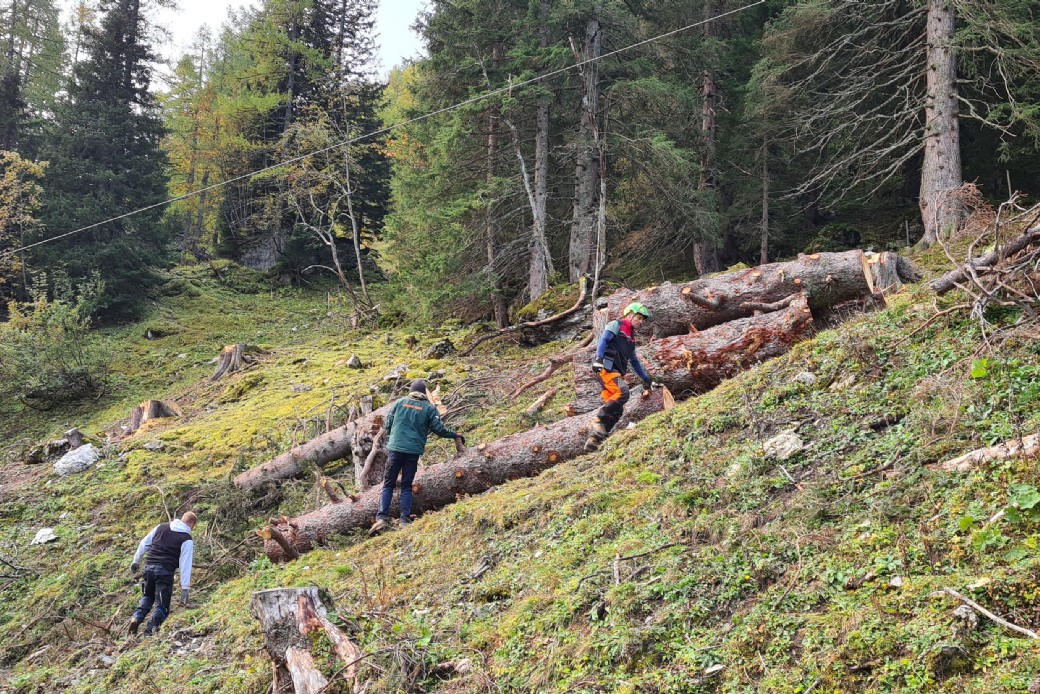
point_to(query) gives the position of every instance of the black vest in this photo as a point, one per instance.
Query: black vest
(619, 351)
(166, 548)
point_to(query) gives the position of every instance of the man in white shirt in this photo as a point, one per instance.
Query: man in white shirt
(169, 548)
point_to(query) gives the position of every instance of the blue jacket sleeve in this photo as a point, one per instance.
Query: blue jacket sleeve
(638, 368)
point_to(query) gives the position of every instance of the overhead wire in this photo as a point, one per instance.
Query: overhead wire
(389, 128)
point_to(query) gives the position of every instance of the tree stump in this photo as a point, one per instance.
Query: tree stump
(152, 409)
(232, 358)
(287, 617)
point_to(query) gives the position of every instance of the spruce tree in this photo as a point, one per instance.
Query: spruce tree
(105, 161)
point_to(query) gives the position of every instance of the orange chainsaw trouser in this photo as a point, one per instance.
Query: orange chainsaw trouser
(615, 395)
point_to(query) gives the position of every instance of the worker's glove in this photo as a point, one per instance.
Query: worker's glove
(134, 568)
(184, 596)
(597, 367)
(461, 438)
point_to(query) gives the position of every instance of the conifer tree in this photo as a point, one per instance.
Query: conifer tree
(105, 161)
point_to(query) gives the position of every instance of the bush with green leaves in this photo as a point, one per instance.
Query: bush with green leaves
(48, 355)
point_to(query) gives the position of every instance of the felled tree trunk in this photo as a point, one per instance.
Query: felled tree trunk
(151, 409)
(473, 471)
(695, 363)
(287, 617)
(232, 358)
(826, 278)
(985, 263)
(321, 450)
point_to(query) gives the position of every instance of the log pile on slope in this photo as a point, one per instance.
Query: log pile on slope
(474, 471)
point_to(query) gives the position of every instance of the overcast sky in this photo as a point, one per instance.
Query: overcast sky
(395, 39)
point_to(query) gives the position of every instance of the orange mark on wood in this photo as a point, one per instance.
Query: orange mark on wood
(798, 281)
(553, 456)
(536, 448)
(481, 446)
(458, 473)
(416, 488)
(814, 256)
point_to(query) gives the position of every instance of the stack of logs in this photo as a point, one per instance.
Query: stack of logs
(703, 332)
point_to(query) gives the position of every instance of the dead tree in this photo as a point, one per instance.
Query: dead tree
(474, 471)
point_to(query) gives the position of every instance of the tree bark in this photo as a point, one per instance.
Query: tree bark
(321, 450)
(586, 170)
(695, 363)
(941, 170)
(231, 359)
(827, 278)
(474, 471)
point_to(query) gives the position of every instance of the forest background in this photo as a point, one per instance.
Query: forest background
(761, 130)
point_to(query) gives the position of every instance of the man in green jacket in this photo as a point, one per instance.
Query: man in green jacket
(409, 423)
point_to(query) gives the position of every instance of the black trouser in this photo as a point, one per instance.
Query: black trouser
(156, 586)
(405, 465)
(615, 394)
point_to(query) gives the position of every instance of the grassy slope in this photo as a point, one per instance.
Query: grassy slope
(737, 565)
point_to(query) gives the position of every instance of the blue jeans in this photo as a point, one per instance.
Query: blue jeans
(156, 585)
(405, 465)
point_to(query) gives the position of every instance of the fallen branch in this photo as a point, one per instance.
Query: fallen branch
(536, 406)
(582, 294)
(984, 263)
(555, 363)
(1026, 445)
(983, 611)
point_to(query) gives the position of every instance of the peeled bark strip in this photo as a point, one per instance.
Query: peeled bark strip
(1015, 448)
(152, 409)
(695, 363)
(826, 278)
(474, 471)
(321, 450)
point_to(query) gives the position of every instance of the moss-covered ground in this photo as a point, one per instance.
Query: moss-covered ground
(678, 559)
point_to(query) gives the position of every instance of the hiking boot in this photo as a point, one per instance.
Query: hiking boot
(599, 429)
(151, 631)
(592, 444)
(404, 521)
(131, 628)
(379, 526)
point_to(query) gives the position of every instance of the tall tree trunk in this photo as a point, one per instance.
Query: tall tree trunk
(586, 173)
(705, 251)
(763, 255)
(200, 215)
(941, 172)
(491, 235)
(541, 264)
(354, 226)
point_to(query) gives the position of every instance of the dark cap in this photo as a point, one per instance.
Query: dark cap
(418, 386)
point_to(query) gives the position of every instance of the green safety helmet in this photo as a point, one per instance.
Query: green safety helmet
(637, 308)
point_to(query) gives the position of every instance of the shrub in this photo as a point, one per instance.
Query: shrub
(47, 353)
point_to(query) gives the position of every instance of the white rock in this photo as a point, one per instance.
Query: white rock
(354, 362)
(77, 460)
(896, 582)
(806, 377)
(43, 536)
(714, 669)
(106, 660)
(783, 446)
(154, 446)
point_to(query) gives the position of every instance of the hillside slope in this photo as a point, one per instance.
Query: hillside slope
(678, 559)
